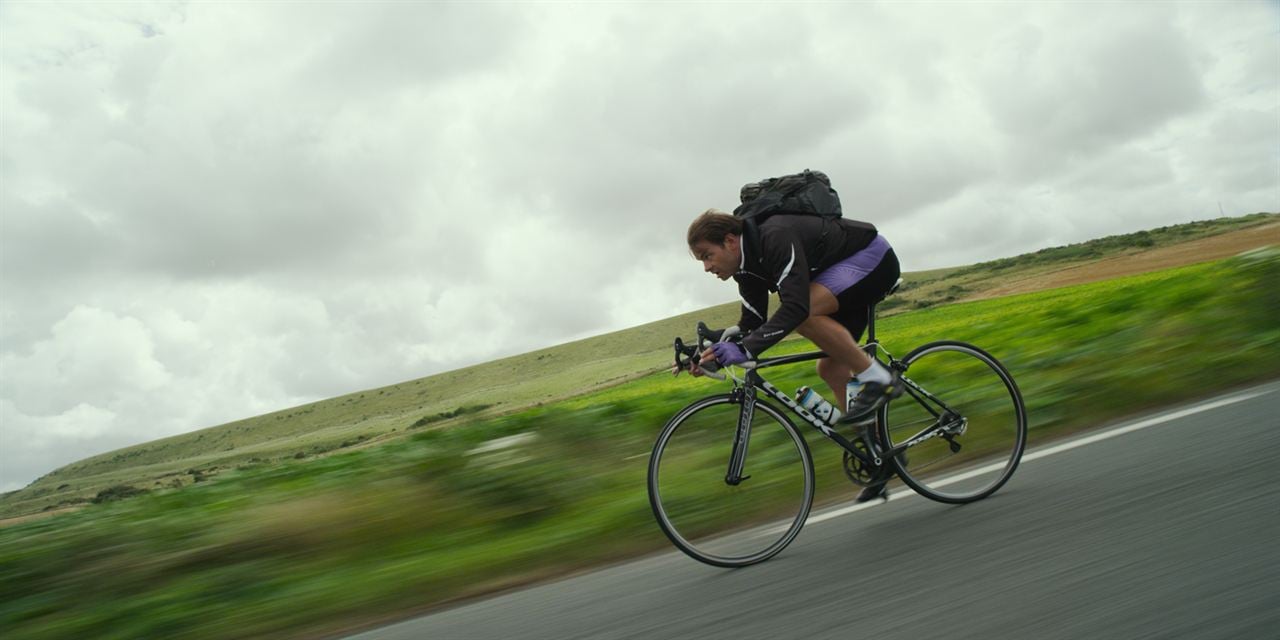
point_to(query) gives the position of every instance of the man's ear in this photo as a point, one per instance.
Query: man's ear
(732, 241)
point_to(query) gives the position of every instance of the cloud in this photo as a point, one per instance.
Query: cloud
(1065, 83)
(93, 354)
(49, 441)
(205, 163)
(210, 211)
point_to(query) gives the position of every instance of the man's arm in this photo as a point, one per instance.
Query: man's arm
(784, 256)
(755, 302)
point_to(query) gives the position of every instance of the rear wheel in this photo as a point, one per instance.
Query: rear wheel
(704, 516)
(985, 422)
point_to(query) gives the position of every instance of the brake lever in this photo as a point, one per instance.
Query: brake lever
(690, 352)
(704, 336)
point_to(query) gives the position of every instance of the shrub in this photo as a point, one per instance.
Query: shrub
(118, 492)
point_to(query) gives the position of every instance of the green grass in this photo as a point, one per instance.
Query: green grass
(944, 286)
(298, 549)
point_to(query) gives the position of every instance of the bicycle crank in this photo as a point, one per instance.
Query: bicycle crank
(859, 472)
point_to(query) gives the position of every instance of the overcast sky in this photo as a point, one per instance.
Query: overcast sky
(212, 210)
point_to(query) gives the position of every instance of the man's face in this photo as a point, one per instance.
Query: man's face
(719, 259)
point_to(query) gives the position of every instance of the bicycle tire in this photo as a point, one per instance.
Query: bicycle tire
(711, 529)
(991, 441)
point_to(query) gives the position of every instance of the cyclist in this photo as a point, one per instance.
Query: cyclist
(827, 273)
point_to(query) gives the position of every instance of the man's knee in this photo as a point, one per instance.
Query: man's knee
(811, 323)
(806, 328)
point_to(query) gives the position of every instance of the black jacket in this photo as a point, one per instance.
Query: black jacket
(781, 255)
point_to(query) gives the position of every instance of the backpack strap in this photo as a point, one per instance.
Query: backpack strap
(751, 239)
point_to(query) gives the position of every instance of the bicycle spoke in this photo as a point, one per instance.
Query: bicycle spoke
(969, 384)
(717, 522)
(912, 427)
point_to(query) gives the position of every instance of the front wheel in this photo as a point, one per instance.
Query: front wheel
(984, 423)
(718, 523)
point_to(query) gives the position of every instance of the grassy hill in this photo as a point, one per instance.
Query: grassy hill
(332, 543)
(365, 418)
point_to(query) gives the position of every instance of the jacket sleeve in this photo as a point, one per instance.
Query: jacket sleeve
(784, 257)
(755, 303)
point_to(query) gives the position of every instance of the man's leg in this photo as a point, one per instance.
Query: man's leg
(844, 355)
(844, 359)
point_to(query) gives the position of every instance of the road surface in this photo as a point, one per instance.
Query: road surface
(1162, 527)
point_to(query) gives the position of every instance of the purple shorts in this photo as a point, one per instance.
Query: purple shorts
(851, 270)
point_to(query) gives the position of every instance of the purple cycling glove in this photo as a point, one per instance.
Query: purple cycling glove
(728, 353)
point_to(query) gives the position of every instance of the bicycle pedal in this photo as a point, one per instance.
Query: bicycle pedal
(873, 493)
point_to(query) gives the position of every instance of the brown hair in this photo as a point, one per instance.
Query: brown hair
(713, 225)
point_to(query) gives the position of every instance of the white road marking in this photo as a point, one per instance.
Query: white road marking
(1066, 446)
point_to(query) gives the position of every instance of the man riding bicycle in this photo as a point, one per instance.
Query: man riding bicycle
(827, 272)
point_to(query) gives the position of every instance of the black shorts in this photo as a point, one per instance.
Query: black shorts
(856, 301)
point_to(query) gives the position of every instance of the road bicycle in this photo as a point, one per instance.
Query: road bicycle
(731, 478)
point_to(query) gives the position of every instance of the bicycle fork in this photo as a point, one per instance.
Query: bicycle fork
(742, 438)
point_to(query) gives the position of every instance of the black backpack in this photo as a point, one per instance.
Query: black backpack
(805, 193)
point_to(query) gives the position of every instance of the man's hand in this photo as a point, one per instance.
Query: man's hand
(708, 355)
(725, 353)
(722, 351)
(694, 369)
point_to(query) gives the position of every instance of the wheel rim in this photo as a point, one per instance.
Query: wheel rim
(991, 431)
(721, 524)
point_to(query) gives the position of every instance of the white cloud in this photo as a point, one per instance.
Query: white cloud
(92, 355)
(34, 445)
(214, 210)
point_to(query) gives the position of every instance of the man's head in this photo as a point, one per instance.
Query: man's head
(715, 239)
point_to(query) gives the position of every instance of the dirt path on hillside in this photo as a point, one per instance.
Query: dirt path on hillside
(1203, 250)
(5, 522)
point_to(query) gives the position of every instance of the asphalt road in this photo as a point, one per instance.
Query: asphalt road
(1163, 527)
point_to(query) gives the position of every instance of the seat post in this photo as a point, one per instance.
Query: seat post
(871, 317)
(871, 330)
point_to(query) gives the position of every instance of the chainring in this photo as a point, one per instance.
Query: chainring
(859, 472)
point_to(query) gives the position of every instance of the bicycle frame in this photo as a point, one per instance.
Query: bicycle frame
(947, 424)
(745, 391)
